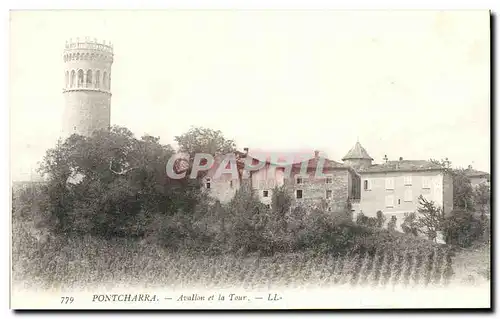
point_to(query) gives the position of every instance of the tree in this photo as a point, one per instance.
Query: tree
(391, 225)
(281, 202)
(463, 193)
(430, 218)
(204, 140)
(410, 224)
(380, 219)
(462, 228)
(112, 184)
(482, 195)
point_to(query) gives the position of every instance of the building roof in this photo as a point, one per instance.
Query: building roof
(402, 165)
(357, 152)
(296, 160)
(327, 164)
(470, 172)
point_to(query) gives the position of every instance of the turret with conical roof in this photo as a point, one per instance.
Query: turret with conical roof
(357, 157)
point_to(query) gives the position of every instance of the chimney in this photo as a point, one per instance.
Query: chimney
(400, 158)
(316, 154)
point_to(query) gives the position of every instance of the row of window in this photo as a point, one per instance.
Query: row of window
(389, 199)
(389, 182)
(299, 194)
(300, 180)
(88, 79)
(208, 183)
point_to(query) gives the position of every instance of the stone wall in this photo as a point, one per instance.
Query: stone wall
(314, 189)
(86, 111)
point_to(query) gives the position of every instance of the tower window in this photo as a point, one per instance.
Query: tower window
(105, 80)
(66, 79)
(298, 193)
(265, 193)
(80, 78)
(97, 79)
(73, 78)
(89, 78)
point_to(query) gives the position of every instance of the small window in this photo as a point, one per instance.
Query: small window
(407, 180)
(329, 180)
(88, 83)
(299, 180)
(426, 182)
(231, 184)
(72, 80)
(329, 209)
(298, 193)
(97, 79)
(389, 183)
(268, 206)
(389, 201)
(399, 201)
(366, 185)
(208, 184)
(265, 193)
(80, 78)
(105, 80)
(408, 195)
(328, 193)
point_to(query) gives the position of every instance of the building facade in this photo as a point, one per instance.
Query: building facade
(395, 186)
(87, 86)
(311, 181)
(392, 187)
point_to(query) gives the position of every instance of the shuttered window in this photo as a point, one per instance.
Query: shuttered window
(389, 183)
(408, 195)
(389, 201)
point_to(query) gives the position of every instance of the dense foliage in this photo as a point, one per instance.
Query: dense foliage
(111, 191)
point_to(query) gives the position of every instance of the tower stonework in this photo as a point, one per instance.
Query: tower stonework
(87, 86)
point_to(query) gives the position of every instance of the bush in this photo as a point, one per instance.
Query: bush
(380, 219)
(462, 228)
(391, 226)
(410, 224)
(363, 220)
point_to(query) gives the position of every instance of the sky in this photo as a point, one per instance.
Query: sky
(411, 84)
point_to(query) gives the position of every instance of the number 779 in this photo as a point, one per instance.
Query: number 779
(67, 300)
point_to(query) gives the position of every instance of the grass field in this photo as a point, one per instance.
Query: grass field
(90, 261)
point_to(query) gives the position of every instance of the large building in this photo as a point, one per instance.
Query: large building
(395, 186)
(87, 86)
(392, 187)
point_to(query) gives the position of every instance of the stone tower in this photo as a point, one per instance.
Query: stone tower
(358, 157)
(87, 86)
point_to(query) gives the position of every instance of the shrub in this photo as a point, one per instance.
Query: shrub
(380, 219)
(462, 228)
(391, 225)
(363, 220)
(410, 224)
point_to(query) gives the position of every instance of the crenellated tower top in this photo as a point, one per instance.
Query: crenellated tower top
(88, 43)
(87, 85)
